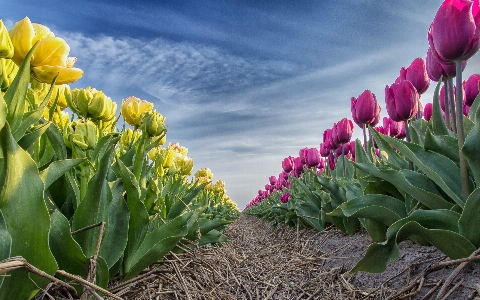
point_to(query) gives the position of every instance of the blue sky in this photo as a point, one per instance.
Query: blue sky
(243, 84)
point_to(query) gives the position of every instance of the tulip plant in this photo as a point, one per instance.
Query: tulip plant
(425, 188)
(78, 195)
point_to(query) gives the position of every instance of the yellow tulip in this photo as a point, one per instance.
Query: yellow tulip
(50, 57)
(91, 103)
(132, 109)
(8, 71)
(6, 46)
(153, 123)
(204, 172)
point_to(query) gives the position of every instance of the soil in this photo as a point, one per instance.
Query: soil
(282, 263)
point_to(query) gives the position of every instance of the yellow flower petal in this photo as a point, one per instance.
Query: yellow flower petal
(21, 35)
(46, 74)
(51, 51)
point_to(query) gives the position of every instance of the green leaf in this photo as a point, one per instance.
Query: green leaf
(56, 169)
(440, 169)
(28, 139)
(375, 206)
(393, 157)
(310, 213)
(377, 257)
(410, 182)
(212, 237)
(17, 92)
(93, 208)
(116, 233)
(138, 221)
(469, 223)
(158, 243)
(67, 251)
(5, 243)
(438, 124)
(444, 144)
(471, 148)
(25, 216)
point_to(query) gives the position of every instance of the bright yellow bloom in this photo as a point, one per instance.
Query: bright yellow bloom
(179, 149)
(41, 90)
(129, 137)
(6, 46)
(59, 118)
(184, 165)
(8, 71)
(50, 57)
(132, 109)
(204, 172)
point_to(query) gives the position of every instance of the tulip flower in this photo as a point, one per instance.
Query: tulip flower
(153, 123)
(454, 33)
(50, 57)
(324, 151)
(313, 157)
(284, 198)
(454, 36)
(287, 164)
(471, 87)
(416, 73)
(132, 109)
(342, 131)
(401, 101)
(6, 46)
(91, 103)
(427, 111)
(298, 166)
(393, 128)
(303, 155)
(365, 111)
(83, 134)
(272, 179)
(436, 69)
(331, 161)
(328, 141)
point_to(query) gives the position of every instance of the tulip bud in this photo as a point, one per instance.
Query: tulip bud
(436, 69)
(287, 164)
(312, 157)
(284, 198)
(132, 109)
(153, 123)
(427, 111)
(416, 73)
(401, 100)
(471, 86)
(129, 136)
(8, 71)
(342, 131)
(81, 133)
(204, 172)
(6, 46)
(184, 165)
(91, 103)
(365, 109)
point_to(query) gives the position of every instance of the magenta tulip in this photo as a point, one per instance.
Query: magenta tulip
(393, 128)
(401, 100)
(471, 88)
(287, 164)
(303, 155)
(365, 109)
(454, 33)
(342, 131)
(331, 161)
(416, 73)
(352, 148)
(313, 157)
(427, 111)
(284, 198)
(435, 69)
(324, 151)
(298, 166)
(272, 180)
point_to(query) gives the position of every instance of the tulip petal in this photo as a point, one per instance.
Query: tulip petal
(46, 74)
(52, 51)
(21, 35)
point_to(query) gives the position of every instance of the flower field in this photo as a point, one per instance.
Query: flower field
(80, 198)
(91, 194)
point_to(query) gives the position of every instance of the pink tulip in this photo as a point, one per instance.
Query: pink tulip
(331, 161)
(416, 73)
(352, 148)
(471, 88)
(365, 109)
(435, 69)
(284, 198)
(313, 157)
(324, 151)
(466, 109)
(287, 164)
(272, 180)
(401, 100)
(394, 128)
(427, 111)
(298, 166)
(303, 155)
(342, 131)
(454, 33)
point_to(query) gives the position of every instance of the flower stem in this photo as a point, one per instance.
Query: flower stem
(446, 99)
(364, 137)
(343, 160)
(461, 133)
(451, 101)
(407, 136)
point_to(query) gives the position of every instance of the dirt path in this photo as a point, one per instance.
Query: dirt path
(261, 263)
